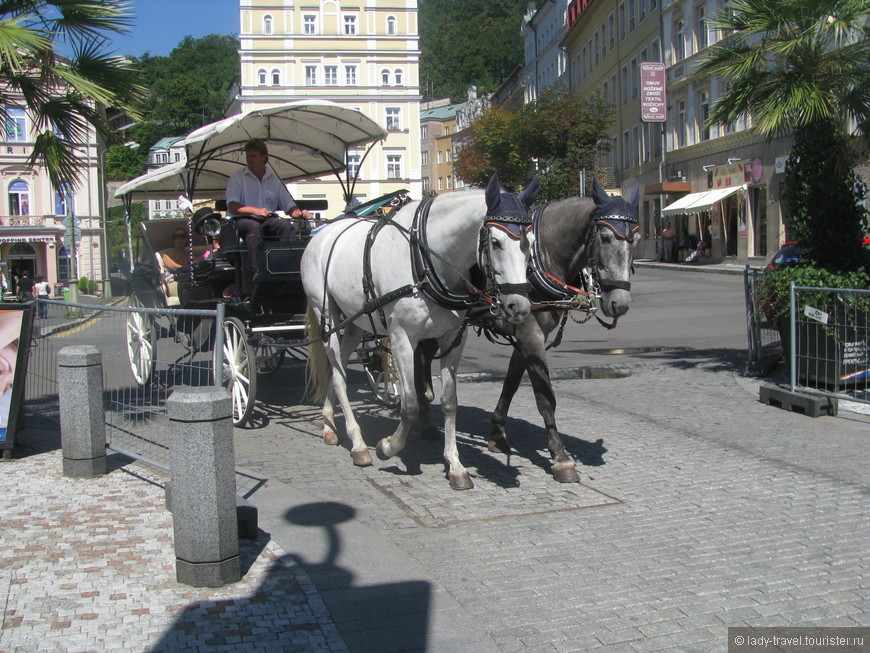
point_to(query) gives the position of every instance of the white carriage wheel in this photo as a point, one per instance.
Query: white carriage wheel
(382, 378)
(239, 369)
(141, 343)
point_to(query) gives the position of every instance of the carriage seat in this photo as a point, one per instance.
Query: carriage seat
(167, 279)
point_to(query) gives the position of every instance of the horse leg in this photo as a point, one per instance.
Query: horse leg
(423, 356)
(564, 467)
(457, 474)
(403, 359)
(337, 351)
(498, 438)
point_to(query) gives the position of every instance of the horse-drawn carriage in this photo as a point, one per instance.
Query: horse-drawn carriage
(263, 313)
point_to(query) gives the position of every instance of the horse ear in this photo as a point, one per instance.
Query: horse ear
(635, 196)
(493, 192)
(527, 197)
(598, 193)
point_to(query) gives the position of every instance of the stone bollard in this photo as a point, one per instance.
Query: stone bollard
(202, 463)
(82, 415)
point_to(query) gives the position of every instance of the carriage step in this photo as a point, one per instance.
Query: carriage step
(796, 402)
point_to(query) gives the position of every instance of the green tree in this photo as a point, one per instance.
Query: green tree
(494, 146)
(803, 68)
(564, 134)
(468, 42)
(64, 96)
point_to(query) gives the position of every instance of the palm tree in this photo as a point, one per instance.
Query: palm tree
(802, 67)
(64, 96)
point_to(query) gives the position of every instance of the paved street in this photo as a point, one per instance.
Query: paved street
(699, 509)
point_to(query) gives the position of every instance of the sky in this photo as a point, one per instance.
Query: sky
(160, 24)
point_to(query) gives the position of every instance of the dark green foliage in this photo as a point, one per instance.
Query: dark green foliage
(774, 288)
(468, 42)
(563, 133)
(821, 190)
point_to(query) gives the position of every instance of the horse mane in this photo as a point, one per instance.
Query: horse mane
(563, 228)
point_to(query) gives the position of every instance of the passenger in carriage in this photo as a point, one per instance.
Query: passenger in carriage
(254, 194)
(179, 255)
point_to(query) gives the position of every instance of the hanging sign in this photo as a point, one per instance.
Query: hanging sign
(652, 92)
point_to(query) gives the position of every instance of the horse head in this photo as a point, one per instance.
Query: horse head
(613, 237)
(505, 242)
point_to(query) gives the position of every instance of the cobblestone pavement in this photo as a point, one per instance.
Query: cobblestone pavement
(699, 509)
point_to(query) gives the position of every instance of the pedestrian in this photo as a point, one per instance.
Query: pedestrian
(25, 286)
(668, 243)
(41, 290)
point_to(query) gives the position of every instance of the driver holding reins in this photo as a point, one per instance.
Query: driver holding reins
(254, 194)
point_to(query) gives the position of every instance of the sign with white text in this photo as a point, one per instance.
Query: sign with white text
(652, 92)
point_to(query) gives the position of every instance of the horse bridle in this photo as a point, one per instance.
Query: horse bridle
(516, 223)
(623, 227)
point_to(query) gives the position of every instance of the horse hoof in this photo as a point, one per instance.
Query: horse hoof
(460, 481)
(361, 458)
(330, 438)
(566, 473)
(381, 449)
(498, 446)
(430, 433)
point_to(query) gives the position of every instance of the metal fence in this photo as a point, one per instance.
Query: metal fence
(828, 350)
(765, 341)
(824, 339)
(147, 353)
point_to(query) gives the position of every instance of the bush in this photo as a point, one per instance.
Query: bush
(773, 287)
(83, 284)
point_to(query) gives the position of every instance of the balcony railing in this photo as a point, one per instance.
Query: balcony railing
(29, 220)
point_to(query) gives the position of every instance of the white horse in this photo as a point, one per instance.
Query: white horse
(407, 277)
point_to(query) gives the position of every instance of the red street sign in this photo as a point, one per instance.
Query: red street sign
(652, 92)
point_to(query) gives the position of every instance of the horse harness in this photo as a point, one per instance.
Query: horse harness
(424, 275)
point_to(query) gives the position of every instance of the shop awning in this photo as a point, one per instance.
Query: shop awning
(699, 202)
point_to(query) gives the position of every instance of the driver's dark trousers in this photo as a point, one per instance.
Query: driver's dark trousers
(252, 231)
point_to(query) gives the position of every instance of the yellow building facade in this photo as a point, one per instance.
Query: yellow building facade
(362, 54)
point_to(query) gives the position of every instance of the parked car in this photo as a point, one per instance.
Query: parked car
(790, 254)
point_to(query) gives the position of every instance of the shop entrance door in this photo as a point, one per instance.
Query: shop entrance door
(21, 257)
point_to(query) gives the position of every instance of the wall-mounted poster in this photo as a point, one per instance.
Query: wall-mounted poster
(16, 323)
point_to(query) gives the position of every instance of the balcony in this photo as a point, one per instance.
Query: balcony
(29, 220)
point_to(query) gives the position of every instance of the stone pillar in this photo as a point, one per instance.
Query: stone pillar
(82, 415)
(202, 463)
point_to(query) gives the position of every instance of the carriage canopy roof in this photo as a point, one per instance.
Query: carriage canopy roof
(306, 139)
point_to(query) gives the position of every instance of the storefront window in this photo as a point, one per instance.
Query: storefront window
(19, 198)
(16, 124)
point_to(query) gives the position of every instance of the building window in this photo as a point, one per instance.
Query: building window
(635, 81)
(311, 75)
(626, 151)
(330, 75)
(682, 125)
(394, 166)
(424, 157)
(424, 132)
(632, 13)
(391, 25)
(276, 77)
(621, 21)
(350, 75)
(447, 156)
(701, 26)
(385, 77)
(440, 183)
(596, 45)
(394, 122)
(679, 41)
(267, 25)
(635, 146)
(440, 157)
(353, 163)
(704, 104)
(261, 77)
(425, 184)
(16, 124)
(611, 32)
(397, 75)
(309, 24)
(624, 84)
(350, 25)
(641, 6)
(19, 198)
(60, 197)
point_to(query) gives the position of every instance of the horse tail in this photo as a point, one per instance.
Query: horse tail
(317, 368)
